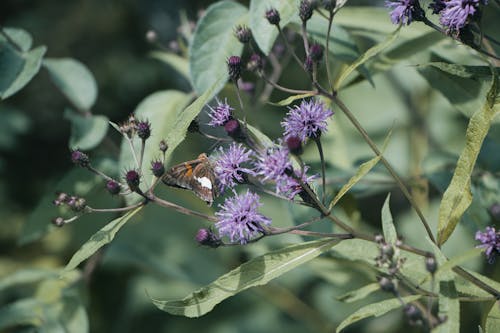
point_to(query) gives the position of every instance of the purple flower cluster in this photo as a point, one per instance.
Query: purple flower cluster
(220, 114)
(239, 218)
(490, 241)
(308, 120)
(403, 11)
(273, 163)
(289, 186)
(229, 167)
(456, 13)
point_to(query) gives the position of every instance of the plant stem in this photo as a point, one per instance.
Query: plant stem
(327, 62)
(322, 158)
(291, 91)
(285, 40)
(180, 209)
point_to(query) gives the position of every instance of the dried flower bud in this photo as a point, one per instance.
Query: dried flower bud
(113, 187)
(431, 264)
(316, 52)
(329, 4)
(386, 284)
(133, 179)
(255, 63)
(379, 238)
(143, 129)
(273, 16)
(305, 10)
(62, 197)
(294, 145)
(207, 238)
(413, 314)
(387, 250)
(58, 221)
(234, 67)
(163, 146)
(79, 205)
(80, 158)
(243, 33)
(157, 168)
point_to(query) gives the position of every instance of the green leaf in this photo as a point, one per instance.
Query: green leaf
(20, 37)
(99, 239)
(289, 100)
(449, 307)
(213, 43)
(260, 138)
(17, 69)
(375, 309)
(258, 271)
(178, 63)
(74, 80)
(369, 54)
(492, 324)
(457, 196)
(263, 32)
(27, 311)
(87, 131)
(360, 293)
(25, 276)
(390, 234)
(458, 260)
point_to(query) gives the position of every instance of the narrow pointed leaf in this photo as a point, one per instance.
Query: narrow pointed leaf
(449, 307)
(99, 239)
(375, 310)
(291, 99)
(258, 271)
(360, 293)
(390, 234)
(457, 196)
(492, 324)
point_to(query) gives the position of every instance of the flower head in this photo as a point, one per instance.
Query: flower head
(243, 33)
(455, 14)
(143, 129)
(113, 187)
(133, 179)
(158, 168)
(234, 67)
(307, 120)
(273, 163)
(220, 114)
(405, 11)
(208, 238)
(273, 16)
(290, 186)
(239, 219)
(229, 169)
(490, 241)
(80, 158)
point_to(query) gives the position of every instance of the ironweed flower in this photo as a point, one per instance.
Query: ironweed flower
(206, 237)
(490, 241)
(80, 158)
(455, 14)
(221, 114)
(157, 168)
(143, 129)
(113, 187)
(405, 11)
(234, 67)
(133, 179)
(273, 163)
(307, 120)
(243, 34)
(229, 169)
(273, 16)
(289, 186)
(239, 219)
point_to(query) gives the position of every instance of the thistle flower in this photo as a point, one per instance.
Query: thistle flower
(157, 168)
(455, 14)
(221, 114)
(229, 169)
(405, 11)
(133, 179)
(273, 16)
(80, 158)
(243, 34)
(143, 129)
(490, 241)
(113, 187)
(207, 238)
(273, 163)
(239, 219)
(289, 186)
(307, 120)
(234, 67)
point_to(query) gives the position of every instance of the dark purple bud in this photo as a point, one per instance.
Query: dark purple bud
(234, 67)
(243, 33)
(207, 238)
(273, 16)
(80, 158)
(194, 126)
(255, 63)
(294, 145)
(157, 168)
(143, 129)
(329, 4)
(163, 146)
(61, 198)
(386, 284)
(133, 179)
(233, 129)
(316, 52)
(305, 10)
(113, 187)
(431, 264)
(308, 64)
(58, 221)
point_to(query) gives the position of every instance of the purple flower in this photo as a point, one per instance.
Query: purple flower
(307, 120)
(228, 167)
(490, 241)
(290, 186)
(273, 163)
(405, 11)
(456, 12)
(221, 114)
(239, 219)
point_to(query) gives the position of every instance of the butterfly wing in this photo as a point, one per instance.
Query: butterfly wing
(196, 175)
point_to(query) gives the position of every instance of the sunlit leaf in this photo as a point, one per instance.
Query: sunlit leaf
(291, 99)
(375, 310)
(449, 307)
(492, 324)
(74, 80)
(255, 272)
(99, 239)
(20, 37)
(360, 293)
(390, 234)
(457, 196)
(213, 43)
(87, 131)
(178, 63)
(27, 311)
(25, 276)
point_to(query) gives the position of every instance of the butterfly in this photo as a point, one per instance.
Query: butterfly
(196, 175)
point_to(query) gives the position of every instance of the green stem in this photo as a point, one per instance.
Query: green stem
(323, 168)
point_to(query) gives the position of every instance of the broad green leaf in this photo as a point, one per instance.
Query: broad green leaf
(25, 276)
(465, 287)
(457, 196)
(360, 293)
(263, 32)
(408, 48)
(458, 260)
(99, 239)
(27, 311)
(17, 69)
(390, 234)
(376, 310)
(360, 173)
(261, 139)
(258, 271)
(213, 43)
(492, 324)
(449, 307)
(291, 99)
(465, 87)
(20, 37)
(369, 54)
(87, 131)
(74, 80)
(178, 63)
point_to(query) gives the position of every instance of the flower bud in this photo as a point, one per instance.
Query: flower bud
(113, 187)
(294, 145)
(316, 52)
(80, 158)
(305, 10)
(143, 129)
(233, 129)
(255, 63)
(273, 16)
(58, 221)
(386, 284)
(62, 197)
(431, 264)
(157, 168)
(163, 146)
(208, 238)
(329, 4)
(133, 179)
(234, 67)
(243, 33)
(387, 250)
